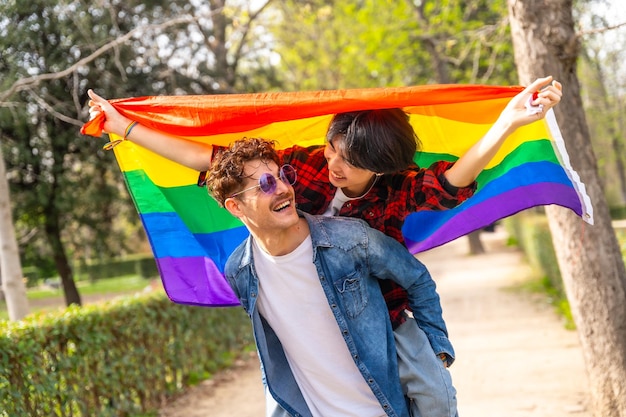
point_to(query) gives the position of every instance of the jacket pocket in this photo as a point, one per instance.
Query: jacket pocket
(353, 294)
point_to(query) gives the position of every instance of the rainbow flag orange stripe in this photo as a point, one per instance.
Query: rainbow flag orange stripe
(192, 237)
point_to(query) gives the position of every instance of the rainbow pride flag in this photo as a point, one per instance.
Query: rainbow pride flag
(191, 236)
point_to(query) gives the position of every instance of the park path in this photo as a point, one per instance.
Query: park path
(514, 357)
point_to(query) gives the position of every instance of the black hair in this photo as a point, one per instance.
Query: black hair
(382, 141)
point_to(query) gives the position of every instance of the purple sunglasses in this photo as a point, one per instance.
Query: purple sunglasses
(267, 182)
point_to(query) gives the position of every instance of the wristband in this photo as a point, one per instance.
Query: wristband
(128, 129)
(114, 143)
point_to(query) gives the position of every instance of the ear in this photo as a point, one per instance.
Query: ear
(233, 205)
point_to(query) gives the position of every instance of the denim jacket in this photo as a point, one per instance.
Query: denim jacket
(349, 257)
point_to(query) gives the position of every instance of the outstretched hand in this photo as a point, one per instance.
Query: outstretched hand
(114, 122)
(543, 93)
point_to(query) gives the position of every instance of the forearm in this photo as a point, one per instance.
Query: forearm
(191, 154)
(544, 93)
(426, 307)
(469, 166)
(194, 155)
(429, 318)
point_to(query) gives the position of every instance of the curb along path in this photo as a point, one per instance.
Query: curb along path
(514, 357)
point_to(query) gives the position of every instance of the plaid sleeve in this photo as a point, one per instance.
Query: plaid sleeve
(202, 177)
(438, 193)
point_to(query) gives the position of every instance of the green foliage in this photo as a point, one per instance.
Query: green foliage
(68, 196)
(141, 265)
(49, 298)
(119, 360)
(63, 190)
(618, 213)
(602, 74)
(343, 44)
(32, 275)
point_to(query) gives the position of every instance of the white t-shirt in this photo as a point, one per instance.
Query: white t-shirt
(292, 301)
(338, 201)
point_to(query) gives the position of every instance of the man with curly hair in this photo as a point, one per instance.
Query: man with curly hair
(310, 286)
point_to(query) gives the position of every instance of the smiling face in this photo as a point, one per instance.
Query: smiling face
(352, 180)
(268, 216)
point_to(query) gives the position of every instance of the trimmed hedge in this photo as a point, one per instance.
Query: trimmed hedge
(618, 212)
(119, 358)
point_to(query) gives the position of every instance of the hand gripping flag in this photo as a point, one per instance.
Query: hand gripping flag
(191, 236)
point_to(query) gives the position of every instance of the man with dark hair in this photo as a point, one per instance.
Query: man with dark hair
(310, 287)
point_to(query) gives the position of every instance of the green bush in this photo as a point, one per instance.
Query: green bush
(31, 273)
(146, 267)
(114, 359)
(531, 233)
(618, 213)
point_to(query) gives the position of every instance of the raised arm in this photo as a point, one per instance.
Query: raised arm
(188, 153)
(515, 115)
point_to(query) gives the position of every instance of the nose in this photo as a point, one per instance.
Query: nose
(282, 186)
(331, 160)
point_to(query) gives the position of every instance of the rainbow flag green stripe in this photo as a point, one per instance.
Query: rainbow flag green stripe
(190, 202)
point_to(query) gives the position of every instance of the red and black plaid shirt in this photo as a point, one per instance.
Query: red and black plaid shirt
(384, 207)
(392, 198)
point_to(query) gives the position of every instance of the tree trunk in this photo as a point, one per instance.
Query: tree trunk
(53, 233)
(592, 268)
(429, 42)
(475, 244)
(10, 265)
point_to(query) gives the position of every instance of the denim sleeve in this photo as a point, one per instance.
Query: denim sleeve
(388, 259)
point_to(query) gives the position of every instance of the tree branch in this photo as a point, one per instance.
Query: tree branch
(28, 82)
(599, 30)
(53, 112)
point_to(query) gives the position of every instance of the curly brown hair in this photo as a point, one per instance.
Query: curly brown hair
(226, 175)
